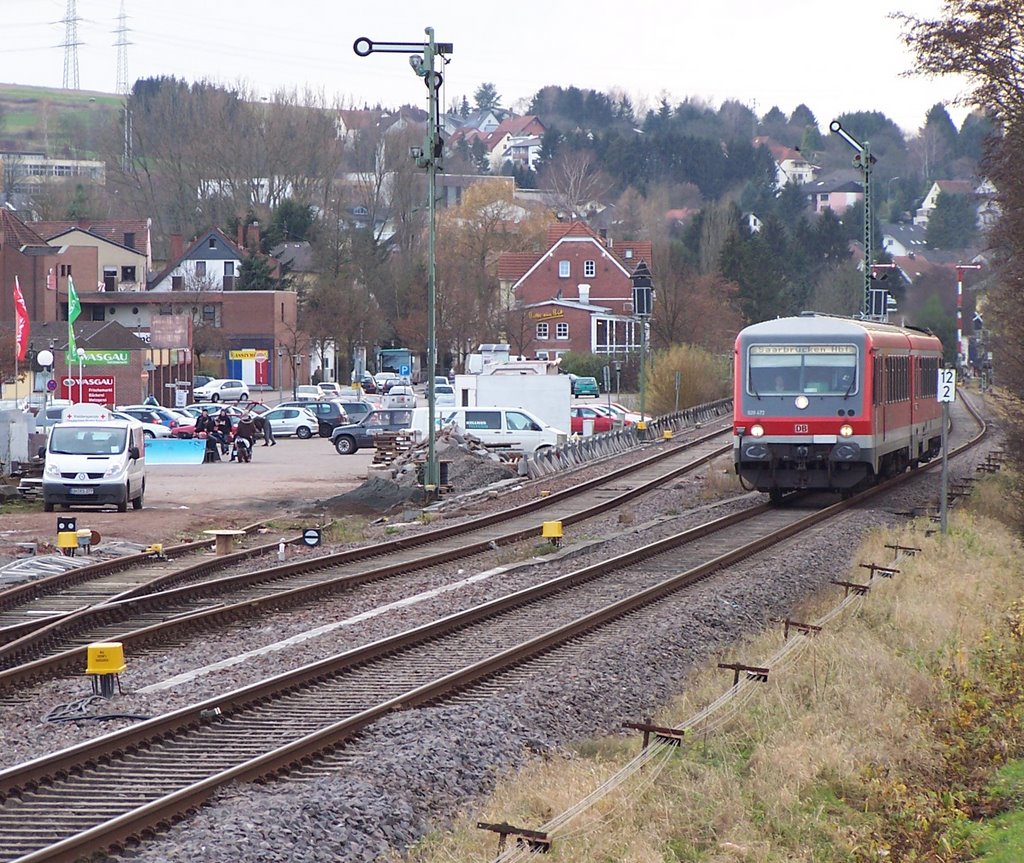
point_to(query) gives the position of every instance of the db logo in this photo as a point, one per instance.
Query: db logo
(801, 428)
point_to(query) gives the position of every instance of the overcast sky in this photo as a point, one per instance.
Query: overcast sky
(834, 56)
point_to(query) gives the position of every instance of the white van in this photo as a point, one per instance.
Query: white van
(93, 459)
(506, 428)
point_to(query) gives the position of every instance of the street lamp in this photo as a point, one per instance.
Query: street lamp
(280, 374)
(422, 56)
(643, 299)
(81, 383)
(295, 376)
(45, 360)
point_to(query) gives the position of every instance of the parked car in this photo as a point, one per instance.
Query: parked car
(367, 384)
(200, 381)
(149, 430)
(584, 386)
(146, 413)
(384, 381)
(222, 390)
(307, 393)
(349, 438)
(298, 421)
(400, 396)
(329, 414)
(444, 395)
(628, 417)
(357, 409)
(602, 422)
(329, 389)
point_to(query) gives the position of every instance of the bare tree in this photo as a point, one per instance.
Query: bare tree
(576, 182)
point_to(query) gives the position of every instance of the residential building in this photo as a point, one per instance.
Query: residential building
(108, 255)
(577, 295)
(210, 263)
(790, 164)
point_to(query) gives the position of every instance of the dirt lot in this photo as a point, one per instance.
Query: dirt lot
(182, 500)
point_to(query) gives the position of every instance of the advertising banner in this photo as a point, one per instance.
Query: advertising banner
(91, 389)
(107, 358)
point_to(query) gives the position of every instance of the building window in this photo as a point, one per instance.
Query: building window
(177, 283)
(542, 355)
(98, 313)
(563, 269)
(589, 269)
(127, 274)
(200, 268)
(209, 314)
(229, 268)
(542, 332)
(65, 269)
(562, 331)
(629, 254)
(213, 242)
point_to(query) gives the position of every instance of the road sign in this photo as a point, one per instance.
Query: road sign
(311, 536)
(947, 385)
(403, 370)
(51, 385)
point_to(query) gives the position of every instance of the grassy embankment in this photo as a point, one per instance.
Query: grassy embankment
(40, 119)
(895, 735)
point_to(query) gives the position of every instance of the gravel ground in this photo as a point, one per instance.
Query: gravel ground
(413, 770)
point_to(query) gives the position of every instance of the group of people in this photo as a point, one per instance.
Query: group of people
(239, 443)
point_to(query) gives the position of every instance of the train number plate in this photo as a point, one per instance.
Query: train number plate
(801, 428)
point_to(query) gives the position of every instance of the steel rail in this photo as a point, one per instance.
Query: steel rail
(23, 663)
(222, 709)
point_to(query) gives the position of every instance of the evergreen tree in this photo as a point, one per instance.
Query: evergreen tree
(487, 98)
(254, 274)
(953, 224)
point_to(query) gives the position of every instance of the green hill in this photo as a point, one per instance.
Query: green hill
(67, 123)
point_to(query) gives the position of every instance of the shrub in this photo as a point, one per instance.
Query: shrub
(704, 377)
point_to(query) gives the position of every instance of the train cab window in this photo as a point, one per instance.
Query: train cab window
(796, 369)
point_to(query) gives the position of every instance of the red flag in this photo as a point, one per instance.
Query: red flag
(21, 326)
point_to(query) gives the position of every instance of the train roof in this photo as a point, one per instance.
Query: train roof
(834, 326)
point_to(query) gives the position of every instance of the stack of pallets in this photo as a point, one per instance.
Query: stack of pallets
(390, 445)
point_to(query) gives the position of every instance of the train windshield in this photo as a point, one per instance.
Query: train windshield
(796, 369)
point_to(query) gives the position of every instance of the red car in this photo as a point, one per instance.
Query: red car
(602, 422)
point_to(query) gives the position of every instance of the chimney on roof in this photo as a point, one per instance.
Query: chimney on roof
(252, 237)
(240, 239)
(177, 247)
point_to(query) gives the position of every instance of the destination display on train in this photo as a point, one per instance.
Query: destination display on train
(802, 349)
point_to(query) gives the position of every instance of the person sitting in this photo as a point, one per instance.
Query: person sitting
(222, 425)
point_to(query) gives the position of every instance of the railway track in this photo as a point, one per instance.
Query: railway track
(64, 806)
(145, 617)
(37, 602)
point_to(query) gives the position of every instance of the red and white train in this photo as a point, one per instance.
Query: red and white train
(824, 402)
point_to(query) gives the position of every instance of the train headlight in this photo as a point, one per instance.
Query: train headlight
(801, 402)
(846, 430)
(757, 430)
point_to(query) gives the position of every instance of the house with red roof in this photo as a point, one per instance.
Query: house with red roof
(577, 295)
